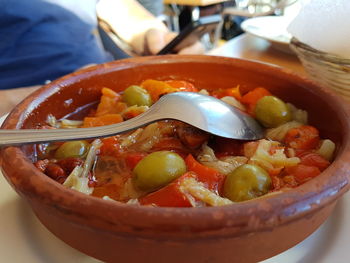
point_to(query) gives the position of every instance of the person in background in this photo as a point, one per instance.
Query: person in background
(41, 40)
(138, 27)
(155, 7)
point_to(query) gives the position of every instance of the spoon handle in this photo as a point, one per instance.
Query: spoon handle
(28, 136)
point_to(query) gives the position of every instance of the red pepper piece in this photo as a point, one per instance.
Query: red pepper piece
(211, 178)
(133, 158)
(168, 196)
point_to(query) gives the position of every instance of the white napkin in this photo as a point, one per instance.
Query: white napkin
(324, 25)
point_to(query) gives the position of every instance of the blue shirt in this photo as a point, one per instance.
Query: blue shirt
(42, 40)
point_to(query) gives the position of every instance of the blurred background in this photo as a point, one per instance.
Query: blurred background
(177, 14)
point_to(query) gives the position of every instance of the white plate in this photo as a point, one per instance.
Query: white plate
(24, 239)
(271, 28)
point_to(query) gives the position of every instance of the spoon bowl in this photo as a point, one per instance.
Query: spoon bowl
(204, 112)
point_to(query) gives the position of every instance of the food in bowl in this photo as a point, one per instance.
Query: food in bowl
(172, 164)
(247, 231)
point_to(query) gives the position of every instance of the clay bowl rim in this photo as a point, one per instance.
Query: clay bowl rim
(270, 210)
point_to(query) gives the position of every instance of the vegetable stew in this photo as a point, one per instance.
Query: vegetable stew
(172, 164)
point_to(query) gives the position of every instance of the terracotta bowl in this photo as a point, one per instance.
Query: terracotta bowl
(243, 232)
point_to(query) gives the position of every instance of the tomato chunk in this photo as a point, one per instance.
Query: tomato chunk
(303, 173)
(304, 138)
(313, 159)
(182, 85)
(110, 147)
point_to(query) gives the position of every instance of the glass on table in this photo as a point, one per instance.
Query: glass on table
(250, 8)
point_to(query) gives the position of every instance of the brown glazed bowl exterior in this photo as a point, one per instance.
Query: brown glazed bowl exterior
(243, 232)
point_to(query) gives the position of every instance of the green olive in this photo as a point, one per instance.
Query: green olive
(272, 112)
(135, 95)
(158, 169)
(246, 182)
(72, 149)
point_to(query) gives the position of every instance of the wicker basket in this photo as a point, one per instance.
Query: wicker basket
(324, 68)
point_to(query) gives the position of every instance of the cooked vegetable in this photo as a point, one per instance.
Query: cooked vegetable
(246, 182)
(172, 164)
(68, 124)
(68, 164)
(72, 149)
(134, 111)
(327, 149)
(77, 182)
(181, 85)
(271, 154)
(224, 165)
(157, 88)
(169, 196)
(90, 157)
(56, 172)
(209, 176)
(198, 190)
(135, 95)
(190, 136)
(231, 92)
(304, 138)
(79, 178)
(133, 158)
(313, 159)
(252, 97)
(271, 112)
(110, 146)
(109, 103)
(303, 173)
(107, 119)
(143, 139)
(278, 133)
(226, 147)
(233, 102)
(298, 115)
(158, 169)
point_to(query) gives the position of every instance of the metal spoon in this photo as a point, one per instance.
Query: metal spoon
(204, 112)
